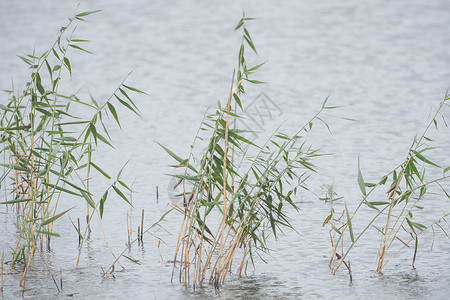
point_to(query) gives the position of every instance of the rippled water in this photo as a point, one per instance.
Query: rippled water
(386, 62)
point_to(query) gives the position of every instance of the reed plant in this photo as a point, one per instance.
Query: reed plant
(237, 198)
(48, 151)
(395, 216)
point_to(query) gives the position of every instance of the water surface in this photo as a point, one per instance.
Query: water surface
(387, 63)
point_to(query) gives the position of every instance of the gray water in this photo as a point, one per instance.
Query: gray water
(386, 62)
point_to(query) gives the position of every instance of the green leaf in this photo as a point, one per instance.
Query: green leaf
(238, 101)
(5, 107)
(56, 187)
(250, 43)
(239, 25)
(132, 259)
(86, 13)
(361, 184)
(100, 170)
(55, 54)
(15, 167)
(123, 184)
(73, 123)
(112, 109)
(256, 67)
(177, 158)
(349, 221)
(241, 55)
(254, 81)
(48, 233)
(88, 199)
(39, 85)
(103, 139)
(16, 201)
(53, 219)
(119, 192)
(94, 132)
(186, 177)
(126, 105)
(327, 219)
(128, 97)
(79, 48)
(67, 63)
(422, 158)
(102, 203)
(378, 202)
(134, 89)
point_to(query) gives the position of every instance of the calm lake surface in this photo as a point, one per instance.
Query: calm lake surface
(386, 62)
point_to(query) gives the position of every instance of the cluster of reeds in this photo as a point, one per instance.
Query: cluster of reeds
(48, 151)
(394, 216)
(238, 196)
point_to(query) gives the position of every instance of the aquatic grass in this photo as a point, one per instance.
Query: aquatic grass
(48, 151)
(409, 186)
(238, 196)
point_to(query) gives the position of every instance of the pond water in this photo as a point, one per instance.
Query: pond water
(386, 62)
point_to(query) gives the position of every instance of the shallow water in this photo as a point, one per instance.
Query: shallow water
(386, 62)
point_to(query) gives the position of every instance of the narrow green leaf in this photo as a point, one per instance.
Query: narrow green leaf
(361, 184)
(186, 177)
(128, 97)
(132, 259)
(56, 187)
(256, 67)
(349, 221)
(250, 43)
(126, 105)
(238, 100)
(73, 123)
(119, 192)
(422, 158)
(15, 167)
(100, 170)
(16, 201)
(134, 89)
(177, 158)
(5, 108)
(241, 55)
(254, 81)
(112, 109)
(102, 203)
(94, 132)
(55, 54)
(327, 219)
(123, 184)
(67, 63)
(86, 13)
(48, 233)
(239, 25)
(103, 139)
(39, 85)
(88, 199)
(79, 48)
(379, 202)
(52, 219)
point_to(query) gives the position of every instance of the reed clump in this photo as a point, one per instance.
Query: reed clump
(48, 151)
(395, 216)
(238, 196)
